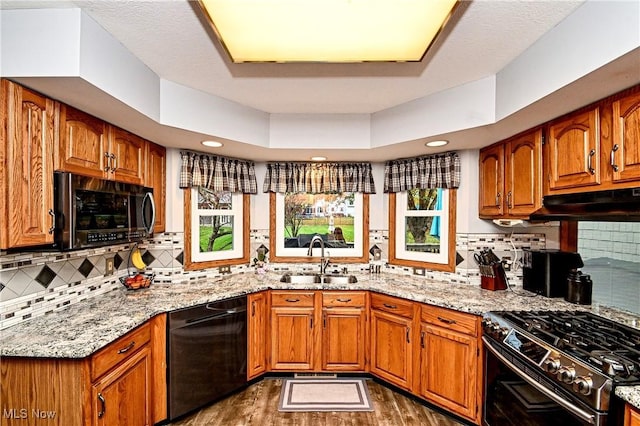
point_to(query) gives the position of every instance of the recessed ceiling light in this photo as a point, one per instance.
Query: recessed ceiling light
(436, 143)
(318, 158)
(327, 30)
(212, 144)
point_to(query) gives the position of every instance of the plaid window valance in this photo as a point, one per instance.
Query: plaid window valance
(217, 173)
(317, 178)
(428, 172)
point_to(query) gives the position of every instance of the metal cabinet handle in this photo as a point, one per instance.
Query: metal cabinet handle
(408, 332)
(115, 162)
(103, 406)
(324, 321)
(589, 165)
(292, 300)
(108, 157)
(386, 305)
(498, 195)
(53, 221)
(614, 166)
(509, 205)
(311, 323)
(344, 300)
(422, 339)
(446, 320)
(128, 347)
(253, 309)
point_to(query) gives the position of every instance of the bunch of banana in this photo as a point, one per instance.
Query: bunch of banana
(136, 259)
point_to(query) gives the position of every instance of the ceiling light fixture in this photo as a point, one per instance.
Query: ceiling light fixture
(436, 143)
(212, 144)
(318, 158)
(327, 30)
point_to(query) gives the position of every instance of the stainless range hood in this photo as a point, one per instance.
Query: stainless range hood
(618, 205)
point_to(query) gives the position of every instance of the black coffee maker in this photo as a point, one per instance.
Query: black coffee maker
(579, 288)
(545, 271)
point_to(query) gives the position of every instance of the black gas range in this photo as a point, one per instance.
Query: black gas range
(571, 360)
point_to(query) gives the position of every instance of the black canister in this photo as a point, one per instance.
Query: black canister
(579, 288)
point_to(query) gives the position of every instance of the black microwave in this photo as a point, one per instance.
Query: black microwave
(92, 212)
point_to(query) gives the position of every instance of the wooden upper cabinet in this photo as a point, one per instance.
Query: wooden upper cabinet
(156, 178)
(83, 146)
(91, 147)
(573, 151)
(625, 149)
(523, 177)
(127, 153)
(491, 181)
(26, 178)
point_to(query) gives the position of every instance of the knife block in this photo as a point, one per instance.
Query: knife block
(496, 279)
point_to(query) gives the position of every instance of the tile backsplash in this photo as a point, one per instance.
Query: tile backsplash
(35, 283)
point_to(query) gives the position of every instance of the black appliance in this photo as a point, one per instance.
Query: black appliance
(618, 205)
(556, 368)
(579, 288)
(92, 212)
(207, 354)
(545, 272)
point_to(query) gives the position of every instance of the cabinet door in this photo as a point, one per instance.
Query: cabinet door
(574, 151)
(127, 153)
(625, 155)
(83, 144)
(523, 184)
(123, 396)
(631, 416)
(28, 177)
(343, 339)
(448, 370)
(156, 178)
(391, 348)
(491, 181)
(292, 338)
(257, 341)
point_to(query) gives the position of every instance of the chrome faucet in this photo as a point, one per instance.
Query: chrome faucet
(324, 262)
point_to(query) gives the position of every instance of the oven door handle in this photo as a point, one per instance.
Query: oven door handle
(582, 414)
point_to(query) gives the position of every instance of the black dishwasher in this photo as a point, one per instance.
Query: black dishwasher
(207, 354)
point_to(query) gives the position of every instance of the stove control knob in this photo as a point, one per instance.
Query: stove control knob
(503, 332)
(566, 374)
(551, 365)
(486, 324)
(583, 385)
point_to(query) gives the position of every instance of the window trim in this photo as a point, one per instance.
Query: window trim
(450, 266)
(307, 259)
(189, 264)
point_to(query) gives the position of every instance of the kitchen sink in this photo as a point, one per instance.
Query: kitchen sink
(318, 279)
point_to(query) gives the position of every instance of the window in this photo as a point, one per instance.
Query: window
(216, 228)
(341, 219)
(422, 228)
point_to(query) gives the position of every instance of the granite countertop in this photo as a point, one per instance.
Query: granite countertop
(81, 329)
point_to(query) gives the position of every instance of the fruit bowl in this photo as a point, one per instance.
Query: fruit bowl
(137, 281)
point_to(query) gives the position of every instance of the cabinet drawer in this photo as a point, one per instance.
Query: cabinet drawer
(393, 305)
(118, 351)
(292, 298)
(451, 320)
(331, 299)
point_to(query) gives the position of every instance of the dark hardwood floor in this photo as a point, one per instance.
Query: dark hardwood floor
(258, 405)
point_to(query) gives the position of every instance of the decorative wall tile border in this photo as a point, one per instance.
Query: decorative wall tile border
(39, 283)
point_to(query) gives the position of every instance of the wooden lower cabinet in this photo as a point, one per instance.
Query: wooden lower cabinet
(257, 316)
(631, 416)
(344, 331)
(293, 331)
(449, 361)
(123, 396)
(121, 384)
(391, 340)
